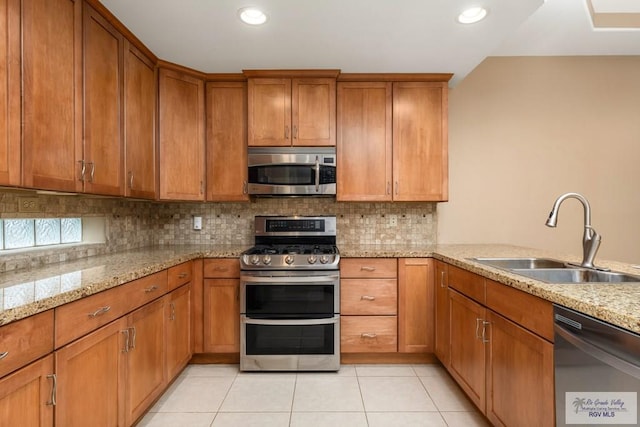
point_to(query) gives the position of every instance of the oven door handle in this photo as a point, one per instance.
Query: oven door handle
(290, 279)
(295, 322)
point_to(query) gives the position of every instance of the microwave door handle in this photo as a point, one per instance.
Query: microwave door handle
(284, 280)
(317, 169)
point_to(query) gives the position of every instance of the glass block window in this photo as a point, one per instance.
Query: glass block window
(26, 233)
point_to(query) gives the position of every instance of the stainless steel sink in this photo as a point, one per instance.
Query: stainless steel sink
(575, 275)
(528, 263)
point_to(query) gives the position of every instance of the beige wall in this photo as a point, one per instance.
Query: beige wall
(524, 130)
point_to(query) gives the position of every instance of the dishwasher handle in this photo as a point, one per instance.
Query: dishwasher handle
(596, 352)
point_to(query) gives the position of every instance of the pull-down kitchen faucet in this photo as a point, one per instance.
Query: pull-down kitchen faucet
(590, 239)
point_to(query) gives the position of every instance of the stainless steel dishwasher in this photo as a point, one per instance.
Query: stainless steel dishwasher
(597, 371)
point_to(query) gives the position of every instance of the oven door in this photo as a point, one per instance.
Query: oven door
(281, 295)
(290, 345)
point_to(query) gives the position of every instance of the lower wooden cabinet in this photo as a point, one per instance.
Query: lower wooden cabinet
(520, 386)
(221, 316)
(144, 351)
(416, 325)
(91, 376)
(26, 395)
(368, 334)
(178, 330)
(442, 322)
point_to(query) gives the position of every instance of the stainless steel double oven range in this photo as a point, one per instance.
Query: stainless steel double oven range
(290, 296)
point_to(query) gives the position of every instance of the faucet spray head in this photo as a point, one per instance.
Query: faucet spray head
(553, 219)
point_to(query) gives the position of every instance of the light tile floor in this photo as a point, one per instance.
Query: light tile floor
(356, 396)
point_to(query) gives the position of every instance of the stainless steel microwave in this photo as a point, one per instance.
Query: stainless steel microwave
(292, 171)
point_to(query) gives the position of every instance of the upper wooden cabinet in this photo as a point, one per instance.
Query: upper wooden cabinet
(181, 139)
(364, 141)
(292, 108)
(52, 94)
(392, 138)
(420, 150)
(103, 159)
(226, 141)
(139, 123)
(10, 93)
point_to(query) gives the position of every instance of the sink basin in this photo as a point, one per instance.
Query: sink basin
(520, 263)
(575, 275)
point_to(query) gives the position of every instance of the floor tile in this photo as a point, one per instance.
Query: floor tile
(328, 419)
(395, 394)
(433, 370)
(182, 419)
(260, 393)
(406, 419)
(325, 393)
(210, 371)
(251, 419)
(466, 419)
(446, 394)
(385, 371)
(194, 394)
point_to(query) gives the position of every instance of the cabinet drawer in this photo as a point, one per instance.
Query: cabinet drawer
(368, 334)
(25, 340)
(80, 317)
(222, 268)
(467, 283)
(179, 274)
(527, 310)
(368, 268)
(368, 296)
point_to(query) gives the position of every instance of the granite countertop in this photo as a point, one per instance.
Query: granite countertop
(27, 292)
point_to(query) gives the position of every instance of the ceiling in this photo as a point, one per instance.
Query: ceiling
(374, 36)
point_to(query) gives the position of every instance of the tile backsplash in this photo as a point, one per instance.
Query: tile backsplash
(131, 224)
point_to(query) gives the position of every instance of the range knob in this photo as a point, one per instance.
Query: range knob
(312, 259)
(255, 259)
(266, 259)
(289, 259)
(324, 259)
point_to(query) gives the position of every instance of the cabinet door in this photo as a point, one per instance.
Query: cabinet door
(420, 168)
(226, 141)
(415, 305)
(103, 147)
(139, 124)
(52, 94)
(520, 364)
(467, 346)
(182, 144)
(221, 316)
(91, 373)
(10, 92)
(269, 112)
(364, 141)
(313, 112)
(441, 313)
(26, 395)
(145, 359)
(178, 341)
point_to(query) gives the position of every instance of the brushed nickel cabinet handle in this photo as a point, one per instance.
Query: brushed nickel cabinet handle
(3, 355)
(365, 268)
(83, 169)
(201, 187)
(368, 335)
(131, 180)
(150, 289)
(93, 171)
(172, 316)
(245, 187)
(182, 275)
(388, 187)
(484, 337)
(125, 332)
(368, 298)
(286, 132)
(295, 132)
(442, 285)
(100, 311)
(133, 337)
(54, 388)
(221, 269)
(478, 322)
(396, 188)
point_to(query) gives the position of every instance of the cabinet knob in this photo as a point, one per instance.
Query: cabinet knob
(368, 298)
(365, 268)
(368, 335)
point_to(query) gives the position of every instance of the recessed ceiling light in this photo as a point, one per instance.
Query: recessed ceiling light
(472, 15)
(252, 16)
